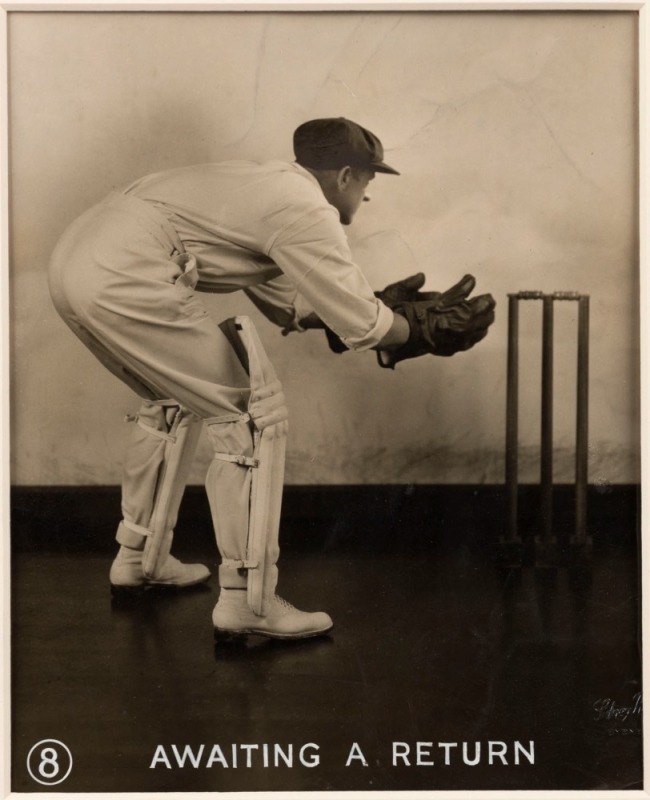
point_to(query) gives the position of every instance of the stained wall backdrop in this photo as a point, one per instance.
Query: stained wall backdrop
(515, 137)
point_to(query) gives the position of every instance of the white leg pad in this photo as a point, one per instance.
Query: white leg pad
(228, 487)
(260, 471)
(156, 469)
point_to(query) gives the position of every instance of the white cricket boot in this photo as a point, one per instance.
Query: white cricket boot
(126, 572)
(232, 617)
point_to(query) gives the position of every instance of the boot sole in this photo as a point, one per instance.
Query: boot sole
(135, 591)
(223, 635)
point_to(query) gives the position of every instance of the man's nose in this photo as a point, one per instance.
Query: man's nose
(366, 198)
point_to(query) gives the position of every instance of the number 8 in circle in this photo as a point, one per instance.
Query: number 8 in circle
(51, 762)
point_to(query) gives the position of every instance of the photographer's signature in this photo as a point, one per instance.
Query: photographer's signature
(625, 719)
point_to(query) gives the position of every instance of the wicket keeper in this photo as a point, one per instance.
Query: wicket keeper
(126, 277)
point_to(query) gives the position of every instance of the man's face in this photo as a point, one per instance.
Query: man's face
(351, 193)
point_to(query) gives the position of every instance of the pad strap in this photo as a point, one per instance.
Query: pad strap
(234, 563)
(153, 431)
(241, 417)
(136, 528)
(132, 535)
(243, 461)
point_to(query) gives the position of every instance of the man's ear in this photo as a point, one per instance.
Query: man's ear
(343, 178)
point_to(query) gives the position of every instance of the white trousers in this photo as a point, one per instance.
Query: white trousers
(121, 280)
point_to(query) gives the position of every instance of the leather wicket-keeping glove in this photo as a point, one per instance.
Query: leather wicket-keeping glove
(406, 289)
(440, 325)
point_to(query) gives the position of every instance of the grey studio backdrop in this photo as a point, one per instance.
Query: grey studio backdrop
(515, 134)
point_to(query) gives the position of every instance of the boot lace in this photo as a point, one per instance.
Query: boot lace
(284, 603)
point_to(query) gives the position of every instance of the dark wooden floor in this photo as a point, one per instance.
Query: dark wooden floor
(428, 646)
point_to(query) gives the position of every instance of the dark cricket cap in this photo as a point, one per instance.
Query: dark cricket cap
(338, 142)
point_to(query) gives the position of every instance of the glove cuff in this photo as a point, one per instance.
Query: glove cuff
(335, 343)
(414, 346)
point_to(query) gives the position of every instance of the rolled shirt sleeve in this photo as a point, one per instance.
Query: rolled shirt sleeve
(314, 254)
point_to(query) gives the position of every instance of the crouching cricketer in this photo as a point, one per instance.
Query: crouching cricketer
(125, 277)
